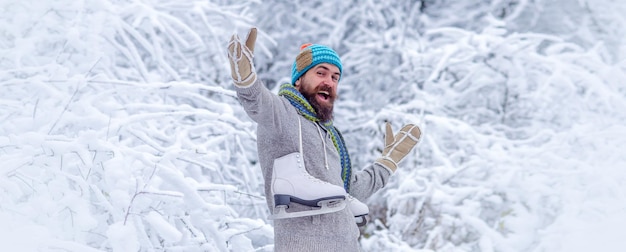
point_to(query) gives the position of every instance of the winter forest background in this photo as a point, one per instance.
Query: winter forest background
(121, 131)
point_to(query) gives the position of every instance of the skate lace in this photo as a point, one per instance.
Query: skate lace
(310, 177)
(324, 145)
(306, 174)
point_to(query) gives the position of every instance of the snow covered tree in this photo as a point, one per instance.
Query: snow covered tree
(121, 131)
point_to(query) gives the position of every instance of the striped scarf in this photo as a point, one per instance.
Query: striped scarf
(302, 105)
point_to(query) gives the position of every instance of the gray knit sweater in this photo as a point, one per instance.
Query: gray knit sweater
(277, 135)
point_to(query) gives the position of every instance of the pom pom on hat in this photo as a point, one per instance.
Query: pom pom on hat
(310, 55)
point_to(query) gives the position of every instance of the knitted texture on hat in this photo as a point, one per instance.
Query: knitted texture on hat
(310, 55)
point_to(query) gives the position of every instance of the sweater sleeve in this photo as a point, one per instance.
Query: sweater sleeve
(261, 104)
(366, 182)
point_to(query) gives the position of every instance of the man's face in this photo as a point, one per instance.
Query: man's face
(319, 86)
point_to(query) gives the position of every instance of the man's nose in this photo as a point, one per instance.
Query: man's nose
(330, 82)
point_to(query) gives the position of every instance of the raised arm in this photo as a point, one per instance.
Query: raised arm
(259, 103)
(374, 177)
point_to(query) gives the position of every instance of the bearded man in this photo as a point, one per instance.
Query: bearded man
(303, 157)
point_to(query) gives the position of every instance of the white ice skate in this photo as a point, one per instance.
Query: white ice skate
(292, 183)
(359, 210)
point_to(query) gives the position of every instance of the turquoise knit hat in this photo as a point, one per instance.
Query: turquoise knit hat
(310, 55)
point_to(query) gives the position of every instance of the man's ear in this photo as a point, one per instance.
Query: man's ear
(297, 82)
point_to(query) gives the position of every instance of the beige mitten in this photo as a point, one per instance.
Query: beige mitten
(240, 56)
(398, 146)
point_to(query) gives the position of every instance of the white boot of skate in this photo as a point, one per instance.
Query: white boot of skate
(359, 210)
(292, 183)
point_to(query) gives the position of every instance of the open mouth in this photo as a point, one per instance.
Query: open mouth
(324, 95)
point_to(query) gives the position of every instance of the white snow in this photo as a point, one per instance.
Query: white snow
(121, 130)
(163, 228)
(122, 237)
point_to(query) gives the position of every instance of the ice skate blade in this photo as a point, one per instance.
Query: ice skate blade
(361, 220)
(324, 209)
